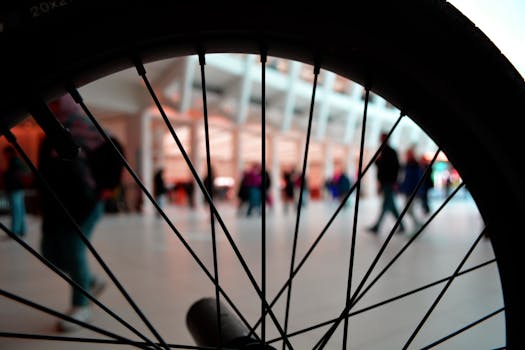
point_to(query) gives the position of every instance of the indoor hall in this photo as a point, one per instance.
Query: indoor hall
(151, 261)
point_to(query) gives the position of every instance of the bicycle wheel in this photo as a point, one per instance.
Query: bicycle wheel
(424, 57)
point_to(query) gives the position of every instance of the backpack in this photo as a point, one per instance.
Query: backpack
(78, 183)
(106, 166)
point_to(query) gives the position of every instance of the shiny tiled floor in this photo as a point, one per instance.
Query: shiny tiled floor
(164, 280)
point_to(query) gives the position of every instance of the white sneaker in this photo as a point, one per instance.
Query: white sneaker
(97, 286)
(79, 313)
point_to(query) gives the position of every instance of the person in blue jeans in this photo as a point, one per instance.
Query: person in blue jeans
(14, 187)
(80, 184)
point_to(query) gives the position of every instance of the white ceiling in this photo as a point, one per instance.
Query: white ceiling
(233, 88)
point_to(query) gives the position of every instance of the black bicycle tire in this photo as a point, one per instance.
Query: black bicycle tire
(423, 56)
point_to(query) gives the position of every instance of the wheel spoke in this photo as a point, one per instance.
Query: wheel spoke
(263, 198)
(299, 203)
(210, 185)
(463, 329)
(78, 98)
(384, 302)
(58, 338)
(396, 225)
(142, 72)
(12, 139)
(330, 221)
(52, 312)
(443, 291)
(74, 284)
(356, 213)
(410, 241)
(349, 305)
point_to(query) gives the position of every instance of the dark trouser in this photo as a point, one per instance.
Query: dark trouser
(63, 246)
(254, 200)
(18, 212)
(389, 205)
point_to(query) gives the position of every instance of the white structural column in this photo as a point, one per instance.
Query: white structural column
(146, 160)
(372, 142)
(354, 115)
(395, 138)
(415, 135)
(238, 165)
(350, 162)
(158, 147)
(324, 106)
(291, 95)
(245, 89)
(350, 126)
(197, 160)
(373, 132)
(328, 160)
(190, 68)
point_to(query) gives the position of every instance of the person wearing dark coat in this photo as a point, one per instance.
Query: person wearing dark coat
(411, 175)
(80, 186)
(387, 165)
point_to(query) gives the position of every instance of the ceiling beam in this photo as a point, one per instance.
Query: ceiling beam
(187, 79)
(245, 90)
(350, 127)
(324, 108)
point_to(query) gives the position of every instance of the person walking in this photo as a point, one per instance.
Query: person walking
(254, 185)
(428, 184)
(81, 185)
(265, 192)
(242, 193)
(388, 166)
(160, 189)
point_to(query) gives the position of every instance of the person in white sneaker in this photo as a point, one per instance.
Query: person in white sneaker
(81, 185)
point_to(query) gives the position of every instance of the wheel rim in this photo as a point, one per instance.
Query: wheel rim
(222, 224)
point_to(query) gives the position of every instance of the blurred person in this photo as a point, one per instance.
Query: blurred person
(447, 182)
(15, 179)
(411, 175)
(160, 190)
(242, 193)
(387, 165)
(341, 186)
(306, 193)
(268, 184)
(209, 181)
(288, 189)
(427, 185)
(81, 185)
